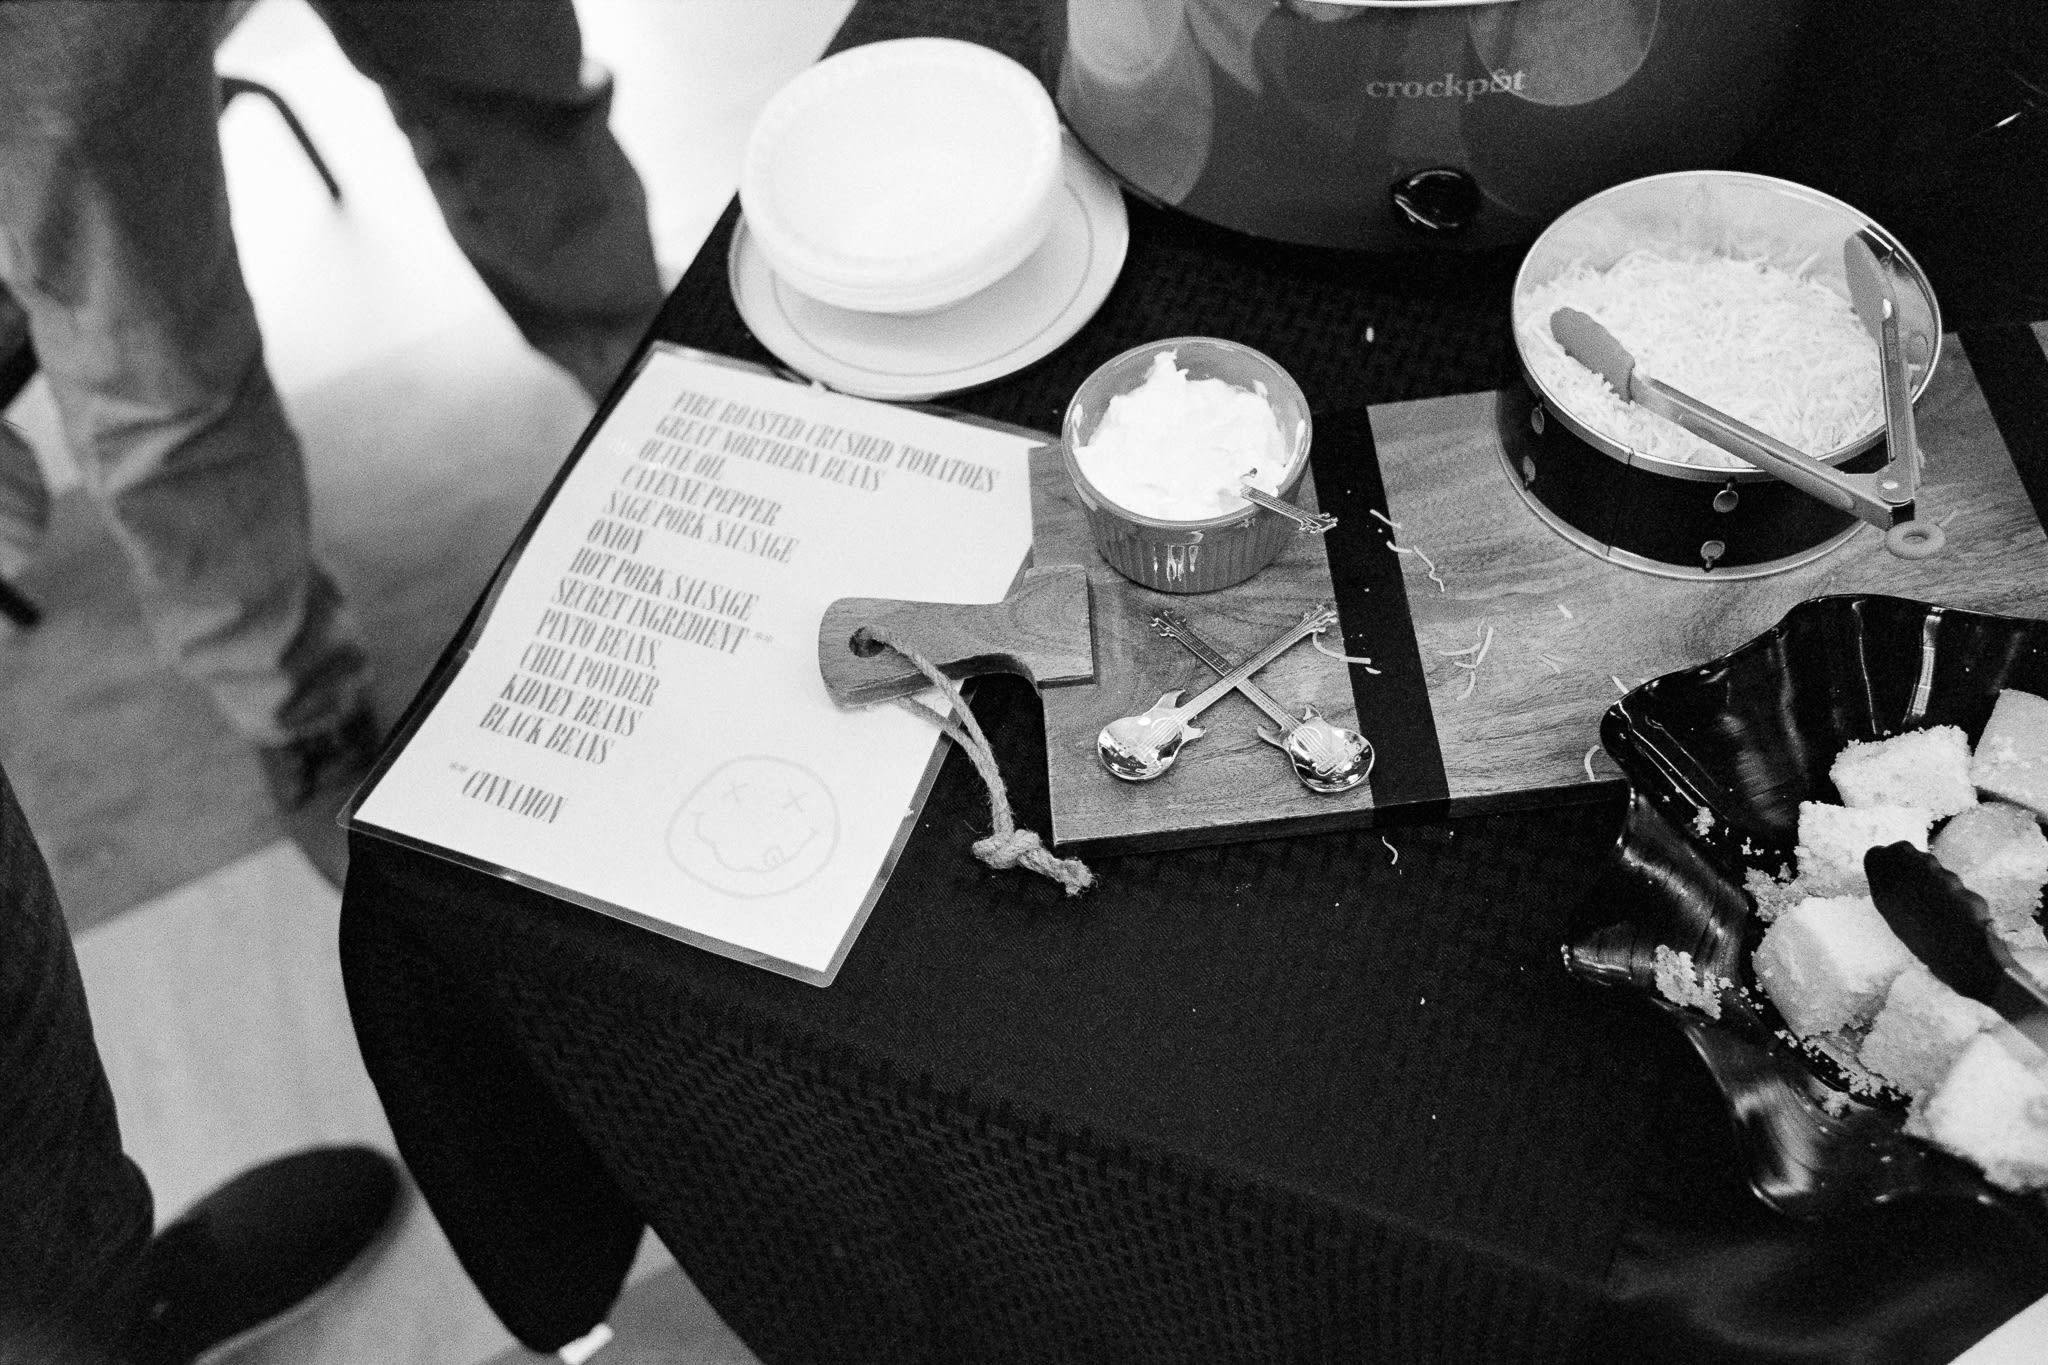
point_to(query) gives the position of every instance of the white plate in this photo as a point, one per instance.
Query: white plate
(1020, 318)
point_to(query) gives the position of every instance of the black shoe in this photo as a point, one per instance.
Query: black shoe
(258, 1251)
(309, 778)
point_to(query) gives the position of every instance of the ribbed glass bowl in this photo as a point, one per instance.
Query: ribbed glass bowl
(1211, 553)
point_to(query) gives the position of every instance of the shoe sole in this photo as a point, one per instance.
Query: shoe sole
(401, 1207)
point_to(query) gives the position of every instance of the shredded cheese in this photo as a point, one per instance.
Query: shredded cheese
(1478, 652)
(1362, 660)
(1410, 550)
(1772, 347)
(1400, 549)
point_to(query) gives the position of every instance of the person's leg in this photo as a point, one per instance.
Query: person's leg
(115, 237)
(75, 1213)
(82, 1279)
(509, 124)
(24, 501)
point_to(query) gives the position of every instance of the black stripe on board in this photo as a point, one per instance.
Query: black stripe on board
(2012, 371)
(1372, 605)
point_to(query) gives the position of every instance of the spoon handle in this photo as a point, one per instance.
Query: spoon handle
(1177, 628)
(1307, 522)
(1313, 620)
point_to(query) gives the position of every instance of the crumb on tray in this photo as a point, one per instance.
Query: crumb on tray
(1683, 984)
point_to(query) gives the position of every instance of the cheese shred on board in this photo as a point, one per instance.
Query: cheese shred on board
(1768, 346)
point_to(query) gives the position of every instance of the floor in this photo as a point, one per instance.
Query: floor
(207, 942)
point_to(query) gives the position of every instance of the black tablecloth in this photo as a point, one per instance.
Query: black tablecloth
(1325, 1098)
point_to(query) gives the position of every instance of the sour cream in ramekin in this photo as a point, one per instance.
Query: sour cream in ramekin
(1176, 448)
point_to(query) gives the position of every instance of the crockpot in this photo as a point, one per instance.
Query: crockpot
(1385, 125)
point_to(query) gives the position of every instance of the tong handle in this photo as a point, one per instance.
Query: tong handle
(1878, 497)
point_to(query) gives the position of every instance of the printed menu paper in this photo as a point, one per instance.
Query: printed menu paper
(637, 722)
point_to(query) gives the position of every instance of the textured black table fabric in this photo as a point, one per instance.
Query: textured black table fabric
(1320, 1099)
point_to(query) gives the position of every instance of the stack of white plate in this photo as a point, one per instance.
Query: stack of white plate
(915, 222)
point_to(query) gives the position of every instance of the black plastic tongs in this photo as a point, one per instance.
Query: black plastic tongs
(1948, 927)
(1883, 497)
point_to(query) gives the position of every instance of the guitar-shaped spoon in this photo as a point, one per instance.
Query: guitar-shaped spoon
(1327, 758)
(1140, 748)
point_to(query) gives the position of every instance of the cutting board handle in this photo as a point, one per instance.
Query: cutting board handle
(1042, 632)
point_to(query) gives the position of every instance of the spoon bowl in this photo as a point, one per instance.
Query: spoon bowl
(1140, 748)
(1327, 757)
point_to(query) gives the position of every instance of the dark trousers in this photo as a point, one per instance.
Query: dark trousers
(75, 1212)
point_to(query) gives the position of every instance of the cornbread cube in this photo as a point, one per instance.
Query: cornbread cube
(1996, 838)
(2013, 903)
(1920, 1030)
(1998, 851)
(2028, 935)
(2034, 962)
(1833, 840)
(1991, 1109)
(2012, 754)
(1926, 768)
(1827, 963)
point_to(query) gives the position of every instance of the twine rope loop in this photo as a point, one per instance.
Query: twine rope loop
(1006, 846)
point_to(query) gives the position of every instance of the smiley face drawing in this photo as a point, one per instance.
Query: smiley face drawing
(756, 826)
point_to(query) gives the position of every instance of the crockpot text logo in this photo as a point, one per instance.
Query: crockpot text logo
(1450, 85)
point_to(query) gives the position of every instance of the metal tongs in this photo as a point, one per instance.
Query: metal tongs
(1883, 497)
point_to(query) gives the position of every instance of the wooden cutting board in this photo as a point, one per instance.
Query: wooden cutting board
(1570, 631)
(1229, 783)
